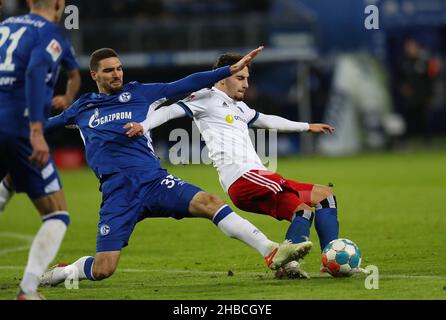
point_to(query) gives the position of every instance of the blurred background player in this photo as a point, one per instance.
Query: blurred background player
(223, 120)
(32, 47)
(58, 103)
(133, 183)
(417, 74)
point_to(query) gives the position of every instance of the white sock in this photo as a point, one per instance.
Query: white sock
(62, 273)
(5, 195)
(44, 248)
(234, 226)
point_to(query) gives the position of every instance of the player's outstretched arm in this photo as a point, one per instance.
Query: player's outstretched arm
(284, 125)
(64, 119)
(154, 119)
(199, 80)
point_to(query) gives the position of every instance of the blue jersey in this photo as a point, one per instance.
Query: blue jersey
(31, 51)
(101, 117)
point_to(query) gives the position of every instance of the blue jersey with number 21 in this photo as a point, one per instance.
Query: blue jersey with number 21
(31, 51)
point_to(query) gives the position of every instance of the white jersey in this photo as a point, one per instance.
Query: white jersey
(224, 123)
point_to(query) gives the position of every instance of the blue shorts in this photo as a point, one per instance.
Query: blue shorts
(37, 183)
(132, 196)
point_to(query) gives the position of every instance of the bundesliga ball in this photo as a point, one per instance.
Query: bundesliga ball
(341, 258)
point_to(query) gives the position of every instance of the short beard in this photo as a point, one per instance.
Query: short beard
(112, 90)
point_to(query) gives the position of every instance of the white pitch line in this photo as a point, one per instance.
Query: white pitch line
(20, 236)
(24, 237)
(12, 267)
(247, 273)
(14, 249)
(405, 276)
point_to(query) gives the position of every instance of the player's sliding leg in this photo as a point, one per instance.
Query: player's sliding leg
(276, 255)
(46, 243)
(122, 208)
(300, 224)
(202, 205)
(279, 198)
(96, 268)
(290, 207)
(209, 206)
(6, 191)
(326, 214)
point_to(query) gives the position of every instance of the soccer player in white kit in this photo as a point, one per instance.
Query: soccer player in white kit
(224, 121)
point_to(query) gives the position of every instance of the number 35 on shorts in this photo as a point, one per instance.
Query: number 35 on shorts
(170, 181)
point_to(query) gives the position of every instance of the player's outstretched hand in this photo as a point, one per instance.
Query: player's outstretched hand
(135, 129)
(245, 60)
(321, 128)
(41, 151)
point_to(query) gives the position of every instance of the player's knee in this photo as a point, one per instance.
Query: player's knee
(321, 193)
(103, 271)
(211, 203)
(205, 204)
(51, 203)
(215, 202)
(327, 191)
(102, 274)
(323, 197)
(105, 264)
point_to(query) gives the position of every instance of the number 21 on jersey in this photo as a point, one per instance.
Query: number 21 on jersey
(5, 34)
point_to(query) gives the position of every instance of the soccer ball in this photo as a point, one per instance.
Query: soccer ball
(341, 258)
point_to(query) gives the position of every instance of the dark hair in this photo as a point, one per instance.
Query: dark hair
(100, 55)
(228, 59)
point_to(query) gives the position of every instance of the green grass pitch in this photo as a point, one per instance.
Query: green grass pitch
(391, 205)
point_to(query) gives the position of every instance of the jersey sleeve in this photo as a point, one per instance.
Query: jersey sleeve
(252, 115)
(150, 91)
(267, 121)
(161, 116)
(42, 59)
(195, 104)
(182, 87)
(67, 117)
(48, 51)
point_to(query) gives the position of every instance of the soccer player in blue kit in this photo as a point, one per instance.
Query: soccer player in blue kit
(32, 47)
(134, 186)
(58, 103)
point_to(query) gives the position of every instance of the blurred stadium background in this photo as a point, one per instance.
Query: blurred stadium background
(382, 89)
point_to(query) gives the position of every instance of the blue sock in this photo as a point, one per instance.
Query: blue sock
(299, 229)
(88, 268)
(222, 213)
(327, 225)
